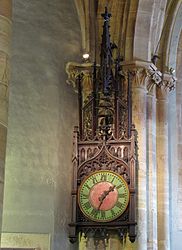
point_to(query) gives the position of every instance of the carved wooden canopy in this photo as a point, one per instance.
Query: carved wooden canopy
(105, 138)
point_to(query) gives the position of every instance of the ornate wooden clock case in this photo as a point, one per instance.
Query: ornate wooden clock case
(104, 156)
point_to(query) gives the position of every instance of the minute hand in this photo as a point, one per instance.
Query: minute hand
(105, 194)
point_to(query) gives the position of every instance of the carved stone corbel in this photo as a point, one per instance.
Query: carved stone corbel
(75, 69)
(155, 74)
(169, 81)
(167, 84)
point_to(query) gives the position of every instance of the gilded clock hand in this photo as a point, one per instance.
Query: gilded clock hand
(104, 195)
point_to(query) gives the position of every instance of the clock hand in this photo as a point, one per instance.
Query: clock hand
(105, 194)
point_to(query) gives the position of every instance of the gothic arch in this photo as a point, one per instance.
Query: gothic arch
(172, 30)
(170, 54)
(149, 23)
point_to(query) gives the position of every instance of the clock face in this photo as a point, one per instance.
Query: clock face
(103, 196)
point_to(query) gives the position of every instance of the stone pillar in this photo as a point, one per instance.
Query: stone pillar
(151, 167)
(162, 169)
(145, 77)
(5, 35)
(139, 91)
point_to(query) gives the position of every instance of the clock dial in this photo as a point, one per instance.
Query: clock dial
(103, 196)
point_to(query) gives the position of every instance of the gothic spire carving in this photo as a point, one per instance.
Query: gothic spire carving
(106, 55)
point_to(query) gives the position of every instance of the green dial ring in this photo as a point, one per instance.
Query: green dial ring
(103, 196)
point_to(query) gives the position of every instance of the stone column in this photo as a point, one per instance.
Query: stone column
(139, 92)
(162, 169)
(5, 35)
(145, 76)
(151, 166)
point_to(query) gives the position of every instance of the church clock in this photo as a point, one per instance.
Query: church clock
(103, 196)
(104, 150)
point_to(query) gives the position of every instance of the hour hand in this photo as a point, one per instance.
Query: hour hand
(104, 194)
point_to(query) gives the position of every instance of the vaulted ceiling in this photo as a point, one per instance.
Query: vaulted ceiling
(140, 28)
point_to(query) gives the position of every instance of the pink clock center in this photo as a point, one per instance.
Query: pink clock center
(103, 196)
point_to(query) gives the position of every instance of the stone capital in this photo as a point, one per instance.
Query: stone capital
(145, 74)
(140, 78)
(75, 69)
(6, 8)
(151, 88)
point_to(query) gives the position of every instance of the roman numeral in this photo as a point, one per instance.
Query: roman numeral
(119, 205)
(123, 195)
(94, 179)
(103, 177)
(113, 179)
(103, 214)
(84, 196)
(120, 186)
(94, 212)
(87, 205)
(112, 212)
(87, 186)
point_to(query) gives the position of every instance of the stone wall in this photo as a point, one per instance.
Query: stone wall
(179, 131)
(177, 179)
(42, 113)
(5, 37)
